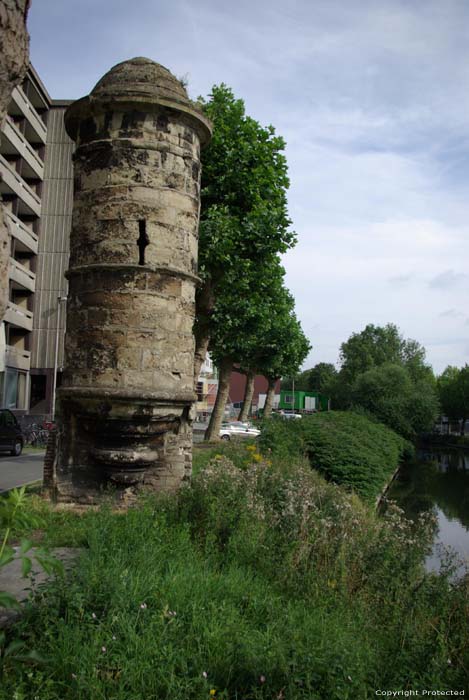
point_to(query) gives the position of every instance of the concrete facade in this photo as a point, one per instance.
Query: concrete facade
(52, 261)
(22, 149)
(14, 59)
(127, 393)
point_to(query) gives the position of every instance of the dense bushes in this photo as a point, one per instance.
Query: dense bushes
(346, 447)
(258, 581)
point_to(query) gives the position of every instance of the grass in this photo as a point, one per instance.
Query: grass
(260, 580)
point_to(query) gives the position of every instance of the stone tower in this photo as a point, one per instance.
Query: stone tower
(128, 387)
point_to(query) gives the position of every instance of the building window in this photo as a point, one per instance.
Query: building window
(11, 389)
(289, 398)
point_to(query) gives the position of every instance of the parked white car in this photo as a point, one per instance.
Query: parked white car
(238, 429)
(289, 415)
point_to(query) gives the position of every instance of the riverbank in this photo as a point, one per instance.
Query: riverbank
(347, 448)
(258, 581)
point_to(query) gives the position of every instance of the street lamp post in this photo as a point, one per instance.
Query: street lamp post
(56, 356)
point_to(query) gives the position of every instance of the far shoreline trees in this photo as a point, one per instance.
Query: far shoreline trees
(383, 374)
(453, 389)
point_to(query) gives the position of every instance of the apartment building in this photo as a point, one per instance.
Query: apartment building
(22, 149)
(35, 188)
(52, 262)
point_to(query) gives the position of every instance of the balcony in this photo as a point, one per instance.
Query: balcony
(21, 277)
(26, 239)
(36, 130)
(13, 184)
(14, 143)
(19, 359)
(19, 317)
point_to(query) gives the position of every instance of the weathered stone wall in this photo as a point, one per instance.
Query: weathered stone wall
(128, 388)
(138, 320)
(14, 61)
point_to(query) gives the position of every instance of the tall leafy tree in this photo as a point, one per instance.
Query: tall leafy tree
(389, 392)
(386, 374)
(373, 347)
(453, 389)
(244, 217)
(317, 378)
(284, 347)
(256, 327)
(240, 319)
(379, 345)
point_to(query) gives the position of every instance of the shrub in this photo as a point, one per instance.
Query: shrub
(347, 448)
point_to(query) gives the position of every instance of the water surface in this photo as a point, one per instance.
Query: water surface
(438, 481)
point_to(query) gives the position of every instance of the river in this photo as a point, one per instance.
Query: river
(438, 480)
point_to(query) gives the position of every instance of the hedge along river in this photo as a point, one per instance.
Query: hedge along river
(438, 481)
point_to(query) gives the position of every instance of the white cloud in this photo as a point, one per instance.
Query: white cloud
(373, 102)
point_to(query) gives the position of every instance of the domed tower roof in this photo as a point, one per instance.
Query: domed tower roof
(140, 76)
(141, 82)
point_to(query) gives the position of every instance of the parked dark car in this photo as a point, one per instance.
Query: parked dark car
(11, 437)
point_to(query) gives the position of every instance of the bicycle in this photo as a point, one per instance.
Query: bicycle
(36, 436)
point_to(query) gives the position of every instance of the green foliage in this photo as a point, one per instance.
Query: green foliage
(453, 390)
(257, 582)
(16, 515)
(388, 392)
(244, 226)
(379, 345)
(283, 346)
(346, 447)
(318, 378)
(243, 198)
(244, 183)
(386, 375)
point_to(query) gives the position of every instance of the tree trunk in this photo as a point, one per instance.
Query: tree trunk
(463, 425)
(14, 60)
(224, 374)
(269, 399)
(204, 307)
(248, 394)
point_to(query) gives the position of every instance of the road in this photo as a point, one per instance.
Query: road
(16, 471)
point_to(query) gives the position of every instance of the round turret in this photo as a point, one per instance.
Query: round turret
(139, 81)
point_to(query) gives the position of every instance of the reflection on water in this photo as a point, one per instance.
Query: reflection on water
(438, 481)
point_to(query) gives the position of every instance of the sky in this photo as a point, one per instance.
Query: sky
(372, 98)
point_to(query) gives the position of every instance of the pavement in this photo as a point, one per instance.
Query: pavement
(12, 582)
(18, 471)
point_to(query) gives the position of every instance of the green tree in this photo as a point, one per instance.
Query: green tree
(317, 378)
(284, 347)
(244, 216)
(387, 375)
(453, 390)
(379, 345)
(373, 347)
(389, 392)
(240, 319)
(254, 326)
